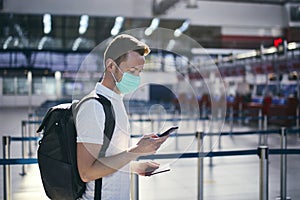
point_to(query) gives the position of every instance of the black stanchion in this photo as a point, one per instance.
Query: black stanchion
(6, 169)
(23, 147)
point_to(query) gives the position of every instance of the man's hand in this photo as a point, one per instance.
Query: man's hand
(147, 145)
(143, 168)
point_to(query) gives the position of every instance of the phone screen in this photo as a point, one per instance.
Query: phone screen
(159, 170)
(167, 132)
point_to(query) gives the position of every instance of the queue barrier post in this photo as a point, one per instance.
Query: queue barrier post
(263, 170)
(283, 166)
(23, 146)
(141, 122)
(26, 132)
(152, 124)
(6, 168)
(199, 136)
(263, 153)
(196, 121)
(30, 152)
(135, 187)
(204, 115)
(265, 142)
(211, 134)
(260, 124)
(231, 116)
(297, 120)
(130, 117)
(240, 113)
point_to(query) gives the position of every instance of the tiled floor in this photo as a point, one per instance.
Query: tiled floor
(229, 178)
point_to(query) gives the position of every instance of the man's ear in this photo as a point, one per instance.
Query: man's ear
(110, 65)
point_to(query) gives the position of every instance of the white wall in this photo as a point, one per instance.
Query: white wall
(130, 8)
(275, 31)
(232, 14)
(235, 18)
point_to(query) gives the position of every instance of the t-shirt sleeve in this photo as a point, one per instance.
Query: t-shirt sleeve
(90, 121)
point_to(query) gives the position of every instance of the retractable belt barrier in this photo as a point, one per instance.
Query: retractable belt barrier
(271, 131)
(219, 154)
(27, 161)
(201, 155)
(18, 161)
(25, 122)
(169, 119)
(25, 138)
(262, 152)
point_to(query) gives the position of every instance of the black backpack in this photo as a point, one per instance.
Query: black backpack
(57, 153)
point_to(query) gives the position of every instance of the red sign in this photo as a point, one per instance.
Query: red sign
(277, 42)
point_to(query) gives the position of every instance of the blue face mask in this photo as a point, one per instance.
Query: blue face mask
(129, 82)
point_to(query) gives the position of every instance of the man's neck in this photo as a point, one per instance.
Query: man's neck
(110, 85)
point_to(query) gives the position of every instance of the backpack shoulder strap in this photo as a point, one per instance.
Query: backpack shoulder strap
(109, 117)
(108, 131)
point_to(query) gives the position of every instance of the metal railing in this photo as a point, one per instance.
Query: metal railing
(263, 153)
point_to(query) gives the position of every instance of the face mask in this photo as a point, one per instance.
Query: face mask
(129, 83)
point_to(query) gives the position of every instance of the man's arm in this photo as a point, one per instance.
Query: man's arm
(90, 168)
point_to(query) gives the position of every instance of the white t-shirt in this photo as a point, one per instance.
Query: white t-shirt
(90, 129)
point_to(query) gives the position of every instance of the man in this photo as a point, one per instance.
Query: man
(124, 61)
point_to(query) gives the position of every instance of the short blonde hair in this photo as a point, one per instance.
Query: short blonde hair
(121, 45)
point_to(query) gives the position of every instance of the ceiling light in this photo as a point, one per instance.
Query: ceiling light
(7, 41)
(118, 25)
(185, 25)
(47, 23)
(154, 24)
(83, 24)
(292, 45)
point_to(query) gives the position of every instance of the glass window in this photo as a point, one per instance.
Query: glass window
(9, 87)
(73, 88)
(49, 86)
(37, 86)
(22, 86)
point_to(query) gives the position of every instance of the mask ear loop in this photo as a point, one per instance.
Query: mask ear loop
(114, 77)
(119, 70)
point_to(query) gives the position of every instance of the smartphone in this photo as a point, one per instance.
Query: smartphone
(167, 132)
(156, 172)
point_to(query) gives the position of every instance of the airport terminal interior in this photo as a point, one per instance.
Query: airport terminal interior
(226, 72)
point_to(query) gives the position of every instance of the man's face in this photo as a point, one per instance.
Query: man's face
(133, 64)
